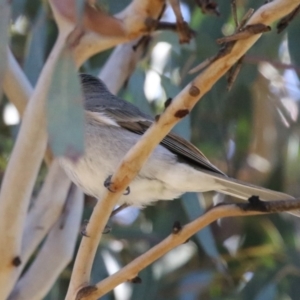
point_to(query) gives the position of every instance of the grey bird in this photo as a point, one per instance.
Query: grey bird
(176, 166)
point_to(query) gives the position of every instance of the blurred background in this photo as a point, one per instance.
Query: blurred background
(251, 132)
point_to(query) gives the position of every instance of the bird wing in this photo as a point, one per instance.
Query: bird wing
(138, 122)
(131, 118)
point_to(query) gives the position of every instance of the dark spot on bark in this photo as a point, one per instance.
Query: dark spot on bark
(168, 102)
(136, 279)
(176, 227)
(85, 291)
(16, 261)
(194, 91)
(181, 113)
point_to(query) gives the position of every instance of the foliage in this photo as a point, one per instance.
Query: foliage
(251, 132)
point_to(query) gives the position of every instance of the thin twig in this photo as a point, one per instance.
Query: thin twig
(246, 32)
(173, 240)
(234, 13)
(183, 29)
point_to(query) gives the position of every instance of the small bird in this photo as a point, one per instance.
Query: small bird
(113, 126)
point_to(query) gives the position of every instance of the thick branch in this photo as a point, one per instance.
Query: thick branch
(22, 170)
(55, 254)
(133, 19)
(123, 59)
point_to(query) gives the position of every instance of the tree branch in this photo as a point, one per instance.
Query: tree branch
(136, 157)
(46, 210)
(55, 254)
(133, 19)
(181, 235)
(22, 170)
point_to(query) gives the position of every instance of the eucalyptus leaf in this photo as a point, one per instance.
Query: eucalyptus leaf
(17, 8)
(269, 292)
(205, 236)
(36, 47)
(136, 87)
(4, 22)
(65, 114)
(191, 286)
(293, 41)
(148, 288)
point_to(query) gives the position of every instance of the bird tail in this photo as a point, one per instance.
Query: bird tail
(243, 190)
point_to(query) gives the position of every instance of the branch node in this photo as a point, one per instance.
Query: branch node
(168, 102)
(257, 28)
(136, 280)
(176, 227)
(256, 204)
(108, 183)
(75, 36)
(194, 91)
(185, 32)
(83, 231)
(16, 261)
(85, 292)
(181, 113)
(151, 24)
(245, 33)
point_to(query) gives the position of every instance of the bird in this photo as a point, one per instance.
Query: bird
(113, 125)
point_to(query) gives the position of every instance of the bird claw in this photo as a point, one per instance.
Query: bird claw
(107, 184)
(127, 191)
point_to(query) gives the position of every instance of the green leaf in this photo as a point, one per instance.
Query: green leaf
(4, 22)
(148, 288)
(205, 236)
(36, 48)
(65, 112)
(17, 8)
(267, 292)
(193, 284)
(293, 41)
